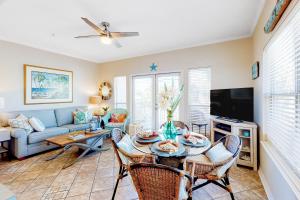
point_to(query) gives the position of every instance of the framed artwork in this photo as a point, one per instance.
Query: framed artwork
(46, 85)
(276, 14)
(255, 70)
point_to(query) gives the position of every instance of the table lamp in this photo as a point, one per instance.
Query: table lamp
(96, 100)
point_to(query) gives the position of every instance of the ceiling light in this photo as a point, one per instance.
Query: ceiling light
(105, 40)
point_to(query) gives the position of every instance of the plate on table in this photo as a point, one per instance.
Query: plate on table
(148, 135)
(194, 140)
(147, 140)
(167, 148)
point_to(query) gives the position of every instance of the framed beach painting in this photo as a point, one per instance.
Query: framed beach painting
(46, 85)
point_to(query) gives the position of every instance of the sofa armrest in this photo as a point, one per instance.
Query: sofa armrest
(17, 132)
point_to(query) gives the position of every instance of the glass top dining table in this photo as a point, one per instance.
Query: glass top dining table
(190, 151)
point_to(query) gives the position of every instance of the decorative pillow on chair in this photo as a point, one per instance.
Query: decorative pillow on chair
(36, 124)
(118, 118)
(20, 123)
(218, 153)
(122, 118)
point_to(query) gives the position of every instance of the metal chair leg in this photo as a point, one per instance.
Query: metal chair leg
(121, 175)
(228, 186)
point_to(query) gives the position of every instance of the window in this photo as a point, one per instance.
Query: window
(281, 63)
(120, 92)
(199, 95)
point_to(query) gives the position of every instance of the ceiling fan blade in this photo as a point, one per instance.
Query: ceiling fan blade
(124, 34)
(94, 26)
(87, 36)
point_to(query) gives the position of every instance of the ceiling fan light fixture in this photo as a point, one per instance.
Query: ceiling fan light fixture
(106, 40)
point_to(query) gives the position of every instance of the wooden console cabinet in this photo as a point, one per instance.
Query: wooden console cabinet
(247, 131)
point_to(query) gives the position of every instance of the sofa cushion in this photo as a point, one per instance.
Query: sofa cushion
(46, 116)
(76, 127)
(47, 133)
(65, 115)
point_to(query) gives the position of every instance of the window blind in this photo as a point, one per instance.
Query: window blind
(281, 64)
(199, 83)
(120, 92)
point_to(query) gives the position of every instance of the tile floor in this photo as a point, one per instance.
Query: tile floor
(93, 178)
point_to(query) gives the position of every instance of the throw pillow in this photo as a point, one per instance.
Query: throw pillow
(81, 117)
(89, 114)
(121, 118)
(218, 153)
(36, 124)
(19, 123)
(22, 117)
(114, 118)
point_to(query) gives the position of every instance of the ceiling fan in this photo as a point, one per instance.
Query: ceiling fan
(105, 35)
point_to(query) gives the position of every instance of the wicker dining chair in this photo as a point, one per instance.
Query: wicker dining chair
(200, 167)
(160, 182)
(179, 124)
(124, 158)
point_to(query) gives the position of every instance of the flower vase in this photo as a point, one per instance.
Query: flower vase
(169, 130)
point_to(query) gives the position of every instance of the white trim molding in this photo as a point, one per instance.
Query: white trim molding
(285, 170)
(265, 184)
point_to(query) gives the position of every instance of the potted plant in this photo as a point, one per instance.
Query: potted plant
(105, 109)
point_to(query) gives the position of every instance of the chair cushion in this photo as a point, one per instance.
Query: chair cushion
(183, 194)
(218, 153)
(76, 127)
(36, 124)
(65, 115)
(47, 133)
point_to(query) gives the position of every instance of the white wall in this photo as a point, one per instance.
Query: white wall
(274, 180)
(230, 63)
(12, 58)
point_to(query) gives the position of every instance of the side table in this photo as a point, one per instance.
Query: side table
(5, 142)
(199, 126)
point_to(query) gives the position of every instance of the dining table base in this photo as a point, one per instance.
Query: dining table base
(176, 162)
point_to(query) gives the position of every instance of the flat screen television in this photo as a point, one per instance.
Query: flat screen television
(232, 103)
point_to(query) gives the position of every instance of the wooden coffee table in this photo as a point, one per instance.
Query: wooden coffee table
(66, 142)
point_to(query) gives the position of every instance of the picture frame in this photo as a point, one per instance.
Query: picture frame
(255, 70)
(43, 85)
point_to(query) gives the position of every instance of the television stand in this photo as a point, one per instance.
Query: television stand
(247, 131)
(230, 119)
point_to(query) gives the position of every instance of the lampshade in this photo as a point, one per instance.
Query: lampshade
(95, 100)
(2, 103)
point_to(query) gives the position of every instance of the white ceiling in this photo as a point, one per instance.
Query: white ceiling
(163, 24)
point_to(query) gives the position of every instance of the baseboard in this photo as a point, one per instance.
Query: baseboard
(265, 184)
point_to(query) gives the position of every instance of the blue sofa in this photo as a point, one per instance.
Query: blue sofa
(57, 122)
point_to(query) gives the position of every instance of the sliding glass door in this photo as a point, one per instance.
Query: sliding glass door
(145, 104)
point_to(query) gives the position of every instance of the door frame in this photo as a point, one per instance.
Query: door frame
(181, 81)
